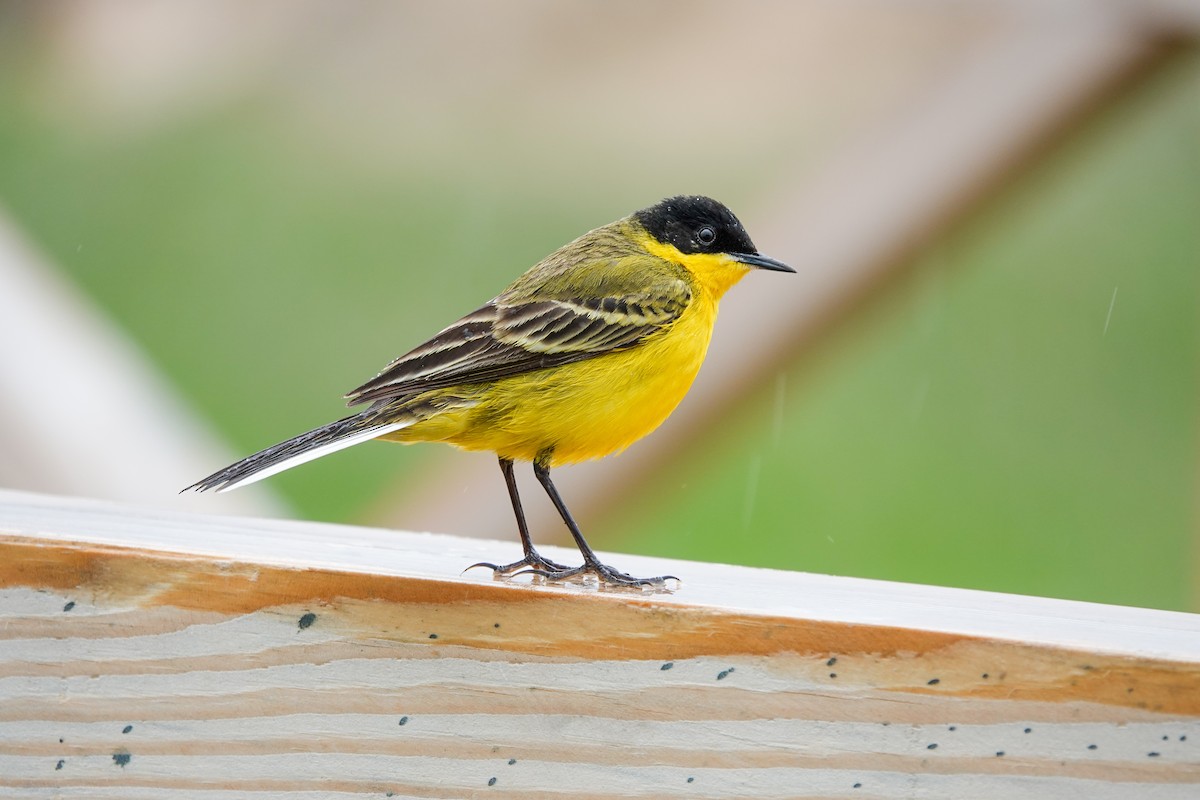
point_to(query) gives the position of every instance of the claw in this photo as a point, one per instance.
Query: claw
(604, 575)
(607, 577)
(535, 562)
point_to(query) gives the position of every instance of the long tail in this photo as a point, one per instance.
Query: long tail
(299, 449)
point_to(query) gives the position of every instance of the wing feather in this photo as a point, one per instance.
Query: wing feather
(503, 339)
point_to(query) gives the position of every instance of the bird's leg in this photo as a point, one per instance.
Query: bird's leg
(533, 559)
(591, 564)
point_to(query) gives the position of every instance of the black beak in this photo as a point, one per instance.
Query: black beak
(762, 262)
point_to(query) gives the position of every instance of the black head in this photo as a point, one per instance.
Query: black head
(697, 224)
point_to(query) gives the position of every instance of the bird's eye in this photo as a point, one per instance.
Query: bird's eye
(706, 235)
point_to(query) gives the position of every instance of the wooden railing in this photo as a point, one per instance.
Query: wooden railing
(148, 654)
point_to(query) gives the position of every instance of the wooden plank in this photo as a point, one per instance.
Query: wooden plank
(145, 652)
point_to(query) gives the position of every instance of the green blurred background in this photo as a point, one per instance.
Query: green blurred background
(987, 422)
(1016, 411)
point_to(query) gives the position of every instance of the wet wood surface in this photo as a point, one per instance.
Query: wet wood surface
(146, 654)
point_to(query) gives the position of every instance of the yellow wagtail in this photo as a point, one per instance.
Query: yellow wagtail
(584, 354)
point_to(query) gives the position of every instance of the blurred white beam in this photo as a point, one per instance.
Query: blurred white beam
(81, 411)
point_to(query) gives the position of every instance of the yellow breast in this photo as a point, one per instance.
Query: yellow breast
(592, 408)
(584, 410)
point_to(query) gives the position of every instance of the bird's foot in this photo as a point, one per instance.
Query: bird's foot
(607, 577)
(533, 562)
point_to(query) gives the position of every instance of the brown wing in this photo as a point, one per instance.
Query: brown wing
(502, 339)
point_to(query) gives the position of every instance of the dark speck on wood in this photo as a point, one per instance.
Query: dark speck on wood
(121, 759)
(307, 620)
(127, 729)
(403, 721)
(70, 604)
(667, 666)
(723, 674)
(491, 781)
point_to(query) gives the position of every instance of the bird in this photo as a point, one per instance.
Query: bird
(588, 351)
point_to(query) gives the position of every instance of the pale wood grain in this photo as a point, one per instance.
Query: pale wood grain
(146, 654)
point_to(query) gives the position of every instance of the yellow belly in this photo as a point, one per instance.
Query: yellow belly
(584, 410)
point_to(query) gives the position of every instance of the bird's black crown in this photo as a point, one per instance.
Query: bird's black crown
(696, 224)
